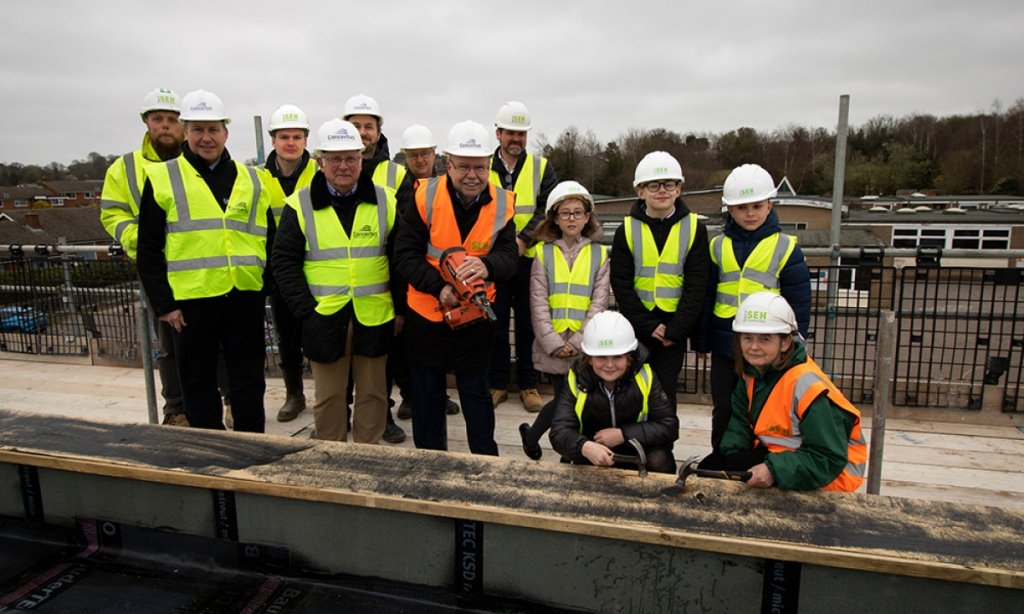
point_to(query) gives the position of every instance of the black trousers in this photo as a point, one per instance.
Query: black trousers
(289, 337)
(429, 422)
(234, 322)
(666, 363)
(513, 294)
(723, 382)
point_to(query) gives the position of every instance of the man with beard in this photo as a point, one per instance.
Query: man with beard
(119, 212)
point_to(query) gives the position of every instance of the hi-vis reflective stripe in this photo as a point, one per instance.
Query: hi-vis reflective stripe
(768, 278)
(131, 178)
(501, 200)
(185, 222)
(662, 268)
(358, 291)
(580, 290)
(317, 253)
(194, 264)
(528, 208)
(392, 176)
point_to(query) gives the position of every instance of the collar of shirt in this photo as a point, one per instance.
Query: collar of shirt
(337, 194)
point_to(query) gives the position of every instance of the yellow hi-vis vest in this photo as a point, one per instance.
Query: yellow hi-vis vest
(570, 290)
(527, 189)
(643, 382)
(389, 174)
(760, 272)
(658, 277)
(122, 192)
(340, 268)
(210, 252)
(277, 195)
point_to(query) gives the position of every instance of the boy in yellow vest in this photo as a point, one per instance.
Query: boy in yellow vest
(659, 266)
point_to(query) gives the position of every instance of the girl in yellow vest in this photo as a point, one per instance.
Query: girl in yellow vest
(790, 426)
(611, 396)
(568, 286)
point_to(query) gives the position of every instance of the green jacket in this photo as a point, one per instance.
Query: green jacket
(825, 431)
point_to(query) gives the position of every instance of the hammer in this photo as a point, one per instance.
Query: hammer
(640, 460)
(690, 468)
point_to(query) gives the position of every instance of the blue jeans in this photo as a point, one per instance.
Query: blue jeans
(429, 422)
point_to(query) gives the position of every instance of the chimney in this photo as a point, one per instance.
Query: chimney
(32, 220)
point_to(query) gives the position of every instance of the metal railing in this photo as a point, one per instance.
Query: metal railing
(959, 341)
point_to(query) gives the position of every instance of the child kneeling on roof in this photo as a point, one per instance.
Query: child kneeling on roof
(611, 396)
(790, 427)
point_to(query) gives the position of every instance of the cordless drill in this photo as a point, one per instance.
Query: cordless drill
(473, 303)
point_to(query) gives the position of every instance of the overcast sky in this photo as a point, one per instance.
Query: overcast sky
(74, 73)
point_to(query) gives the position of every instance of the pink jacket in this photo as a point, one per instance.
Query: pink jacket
(546, 340)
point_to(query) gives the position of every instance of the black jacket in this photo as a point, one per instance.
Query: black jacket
(153, 230)
(681, 324)
(715, 334)
(405, 191)
(287, 183)
(548, 181)
(434, 344)
(323, 337)
(660, 430)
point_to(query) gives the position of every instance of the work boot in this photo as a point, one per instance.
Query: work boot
(175, 419)
(295, 399)
(450, 407)
(498, 395)
(531, 400)
(531, 449)
(405, 410)
(393, 434)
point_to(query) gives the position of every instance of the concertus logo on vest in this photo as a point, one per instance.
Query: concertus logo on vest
(366, 232)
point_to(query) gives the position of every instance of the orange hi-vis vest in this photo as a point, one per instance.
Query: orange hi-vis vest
(778, 426)
(436, 210)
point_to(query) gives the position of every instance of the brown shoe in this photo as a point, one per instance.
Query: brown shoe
(229, 418)
(498, 395)
(531, 400)
(176, 419)
(294, 404)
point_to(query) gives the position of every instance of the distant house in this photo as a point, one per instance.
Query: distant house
(31, 227)
(14, 197)
(75, 193)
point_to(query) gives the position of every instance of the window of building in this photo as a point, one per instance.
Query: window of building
(793, 226)
(57, 201)
(21, 202)
(977, 237)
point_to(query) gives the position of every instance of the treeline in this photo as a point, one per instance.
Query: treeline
(93, 167)
(961, 154)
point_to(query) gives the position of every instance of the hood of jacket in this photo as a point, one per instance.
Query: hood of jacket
(639, 211)
(735, 232)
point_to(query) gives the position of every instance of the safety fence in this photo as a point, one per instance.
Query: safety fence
(959, 338)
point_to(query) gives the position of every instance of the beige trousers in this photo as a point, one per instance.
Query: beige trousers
(369, 412)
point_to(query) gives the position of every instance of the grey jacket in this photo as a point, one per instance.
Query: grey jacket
(546, 340)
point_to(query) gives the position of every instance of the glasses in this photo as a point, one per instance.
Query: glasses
(654, 186)
(481, 169)
(339, 160)
(572, 215)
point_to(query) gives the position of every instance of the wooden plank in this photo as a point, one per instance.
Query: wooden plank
(945, 541)
(952, 494)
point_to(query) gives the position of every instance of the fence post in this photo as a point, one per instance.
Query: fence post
(146, 346)
(838, 181)
(883, 378)
(69, 291)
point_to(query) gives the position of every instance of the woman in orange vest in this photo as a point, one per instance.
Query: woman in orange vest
(790, 427)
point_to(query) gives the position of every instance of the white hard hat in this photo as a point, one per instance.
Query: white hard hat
(468, 139)
(361, 104)
(338, 135)
(418, 137)
(513, 115)
(608, 333)
(764, 312)
(200, 105)
(657, 165)
(288, 116)
(748, 184)
(569, 189)
(160, 99)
